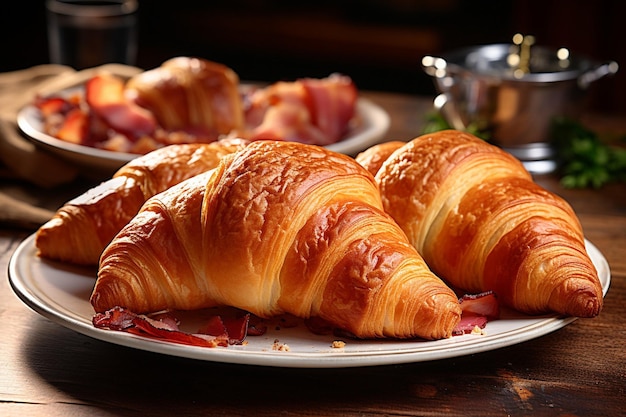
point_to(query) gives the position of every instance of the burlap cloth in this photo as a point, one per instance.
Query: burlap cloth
(21, 160)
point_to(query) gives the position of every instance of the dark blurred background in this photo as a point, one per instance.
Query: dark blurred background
(379, 43)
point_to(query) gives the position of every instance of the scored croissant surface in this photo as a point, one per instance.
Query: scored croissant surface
(481, 223)
(279, 227)
(80, 229)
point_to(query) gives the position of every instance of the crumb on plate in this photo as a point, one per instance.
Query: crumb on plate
(338, 344)
(283, 347)
(477, 330)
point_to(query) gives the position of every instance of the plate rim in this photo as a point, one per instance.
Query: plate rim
(23, 122)
(429, 350)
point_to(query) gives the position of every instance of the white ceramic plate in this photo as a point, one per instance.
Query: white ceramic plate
(61, 292)
(372, 122)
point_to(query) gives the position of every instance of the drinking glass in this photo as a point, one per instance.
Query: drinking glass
(88, 33)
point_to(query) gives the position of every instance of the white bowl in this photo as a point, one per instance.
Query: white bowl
(372, 123)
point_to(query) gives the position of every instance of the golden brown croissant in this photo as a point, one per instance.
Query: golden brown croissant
(374, 157)
(81, 229)
(481, 223)
(279, 227)
(190, 94)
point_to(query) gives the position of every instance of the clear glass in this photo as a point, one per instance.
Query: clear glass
(84, 33)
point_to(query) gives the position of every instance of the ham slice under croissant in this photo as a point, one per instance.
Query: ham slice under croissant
(279, 227)
(81, 229)
(481, 223)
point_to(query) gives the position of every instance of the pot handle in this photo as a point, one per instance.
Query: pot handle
(445, 107)
(434, 66)
(608, 68)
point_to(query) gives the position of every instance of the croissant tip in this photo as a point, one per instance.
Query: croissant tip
(589, 308)
(585, 302)
(95, 302)
(450, 320)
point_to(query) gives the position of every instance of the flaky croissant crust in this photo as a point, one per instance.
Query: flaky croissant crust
(480, 222)
(278, 228)
(81, 228)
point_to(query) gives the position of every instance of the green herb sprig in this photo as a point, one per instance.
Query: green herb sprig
(585, 160)
(436, 122)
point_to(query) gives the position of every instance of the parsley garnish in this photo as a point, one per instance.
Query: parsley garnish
(584, 160)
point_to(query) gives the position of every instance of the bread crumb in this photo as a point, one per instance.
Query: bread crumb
(338, 344)
(283, 347)
(478, 330)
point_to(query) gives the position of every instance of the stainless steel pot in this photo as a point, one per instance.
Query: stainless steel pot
(513, 93)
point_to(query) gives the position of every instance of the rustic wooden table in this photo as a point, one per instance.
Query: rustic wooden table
(579, 370)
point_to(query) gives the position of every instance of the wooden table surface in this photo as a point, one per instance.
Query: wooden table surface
(579, 370)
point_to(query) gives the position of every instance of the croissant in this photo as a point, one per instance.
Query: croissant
(80, 230)
(375, 156)
(190, 94)
(279, 227)
(481, 223)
